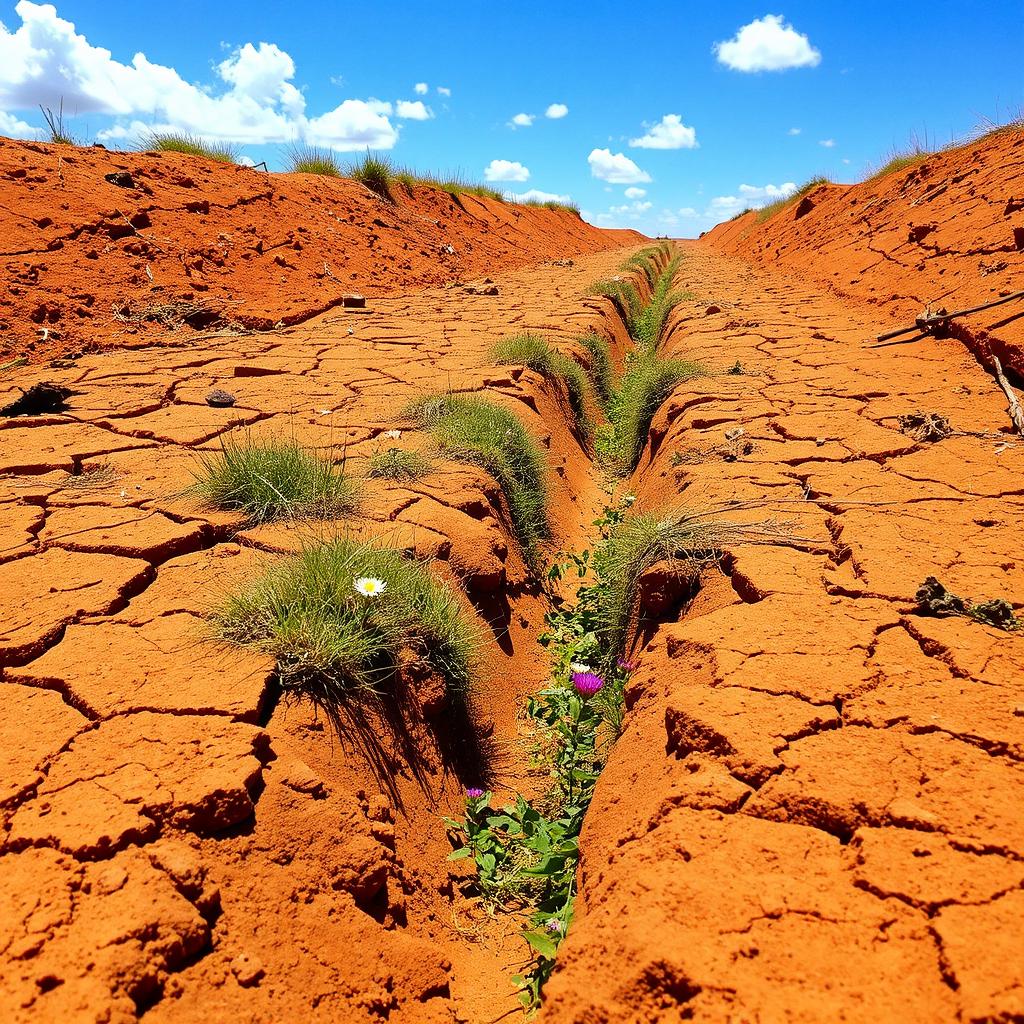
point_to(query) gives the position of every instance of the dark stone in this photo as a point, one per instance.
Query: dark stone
(40, 399)
(804, 207)
(353, 301)
(220, 398)
(122, 179)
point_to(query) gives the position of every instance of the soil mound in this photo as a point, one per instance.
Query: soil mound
(944, 232)
(106, 249)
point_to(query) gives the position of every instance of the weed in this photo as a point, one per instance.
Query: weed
(625, 296)
(650, 323)
(476, 431)
(55, 125)
(313, 160)
(535, 352)
(399, 464)
(934, 599)
(925, 426)
(736, 370)
(769, 211)
(900, 160)
(600, 368)
(191, 145)
(314, 614)
(375, 172)
(273, 479)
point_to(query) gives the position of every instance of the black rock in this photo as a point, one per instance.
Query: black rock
(220, 398)
(40, 399)
(122, 179)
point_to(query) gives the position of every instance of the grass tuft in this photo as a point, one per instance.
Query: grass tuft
(330, 641)
(535, 352)
(375, 172)
(600, 368)
(191, 145)
(273, 479)
(55, 125)
(399, 464)
(313, 160)
(769, 211)
(625, 296)
(900, 161)
(470, 429)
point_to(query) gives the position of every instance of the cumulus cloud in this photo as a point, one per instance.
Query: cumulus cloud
(522, 120)
(413, 110)
(635, 193)
(638, 207)
(45, 62)
(535, 195)
(506, 170)
(753, 196)
(615, 168)
(668, 133)
(827, 143)
(556, 110)
(421, 88)
(443, 90)
(794, 131)
(14, 128)
(767, 44)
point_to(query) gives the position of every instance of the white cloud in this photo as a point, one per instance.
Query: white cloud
(535, 195)
(635, 193)
(443, 90)
(421, 88)
(413, 110)
(46, 62)
(767, 44)
(615, 168)
(668, 133)
(794, 131)
(827, 143)
(556, 110)
(13, 128)
(767, 192)
(522, 120)
(506, 170)
(752, 196)
(637, 207)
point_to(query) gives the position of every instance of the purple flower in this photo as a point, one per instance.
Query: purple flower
(626, 666)
(587, 683)
(473, 793)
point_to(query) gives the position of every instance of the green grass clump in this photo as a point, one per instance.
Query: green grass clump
(329, 640)
(600, 368)
(476, 431)
(650, 322)
(191, 145)
(399, 464)
(313, 160)
(625, 296)
(375, 172)
(646, 384)
(648, 261)
(273, 479)
(900, 161)
(769, 211)
(535, 352)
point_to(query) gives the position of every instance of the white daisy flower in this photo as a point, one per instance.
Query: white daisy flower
(391, 435)
(578, 666)
(370, 586)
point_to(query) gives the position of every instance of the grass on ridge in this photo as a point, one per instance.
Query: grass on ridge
(769, 211)
(470, 429)
(190, 145)
(600, 369)
(399, 464)
(272, 479)
(535, 352)
(375, 172)
(330, 640)
(313, 160)
(625, 296)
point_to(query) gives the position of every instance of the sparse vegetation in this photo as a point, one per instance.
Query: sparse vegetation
(934, 599)
(375, 172)
(191, 145)
(651, 321)
(900, 160)
(550, 204)
(535, 352)
(399, 464)
(273, 479)
(55, 125)
(340, 618)
(313, 160)
(476, 431)
(769, 211)
(600, 368)
(625, 296)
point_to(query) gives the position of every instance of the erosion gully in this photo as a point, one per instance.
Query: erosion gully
(182, 847)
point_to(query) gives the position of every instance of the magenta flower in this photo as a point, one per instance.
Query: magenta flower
(473, 793)
(626, 666)
(587, 683)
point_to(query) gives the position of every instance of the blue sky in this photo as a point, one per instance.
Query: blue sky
(661, 127)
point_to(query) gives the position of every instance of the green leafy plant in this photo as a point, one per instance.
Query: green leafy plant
(191, 145)
(535, 352)
(313, 160)
(600, 368)
(273, 478)
(473, 430)
(399, 464)
(343, 616)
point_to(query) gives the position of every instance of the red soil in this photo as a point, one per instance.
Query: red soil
(946, 232)
(255, 249)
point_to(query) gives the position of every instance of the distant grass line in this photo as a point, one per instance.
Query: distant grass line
(306, 159)
(535, 352)
(191, 145)
(471, 429)
(769, 211)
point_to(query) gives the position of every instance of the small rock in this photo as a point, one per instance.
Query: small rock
(490, 289)
(301, 778)
(353, 301)
(712, 309)
(247, 969)
(122, 179)
(220, 398)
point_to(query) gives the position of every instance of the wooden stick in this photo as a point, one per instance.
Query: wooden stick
(1016, 413)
